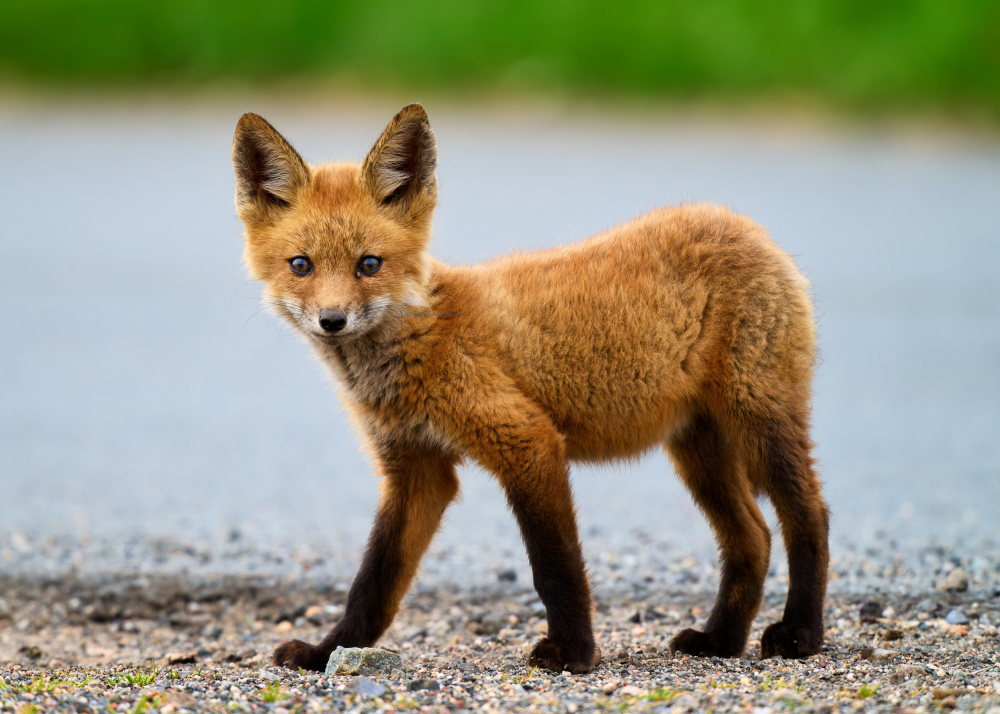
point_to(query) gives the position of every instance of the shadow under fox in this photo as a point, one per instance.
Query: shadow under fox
(686, 328)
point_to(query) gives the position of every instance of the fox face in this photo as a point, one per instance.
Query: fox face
(340, 248)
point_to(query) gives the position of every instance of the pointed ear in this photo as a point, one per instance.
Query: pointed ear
(269, 172)
(400, 167)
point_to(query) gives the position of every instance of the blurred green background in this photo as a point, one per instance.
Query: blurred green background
(855, 55)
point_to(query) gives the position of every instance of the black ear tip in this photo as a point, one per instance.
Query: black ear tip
(251, 121)
(412, 111)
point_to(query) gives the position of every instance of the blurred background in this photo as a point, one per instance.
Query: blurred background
(152, 416)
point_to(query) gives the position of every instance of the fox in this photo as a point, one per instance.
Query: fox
(687, 328)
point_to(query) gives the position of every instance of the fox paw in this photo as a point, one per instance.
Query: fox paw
(705, 644)
(578, 658)
(790, 641)
(296, 654)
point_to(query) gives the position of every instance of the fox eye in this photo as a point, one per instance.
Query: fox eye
(369, 265)
(300, 265)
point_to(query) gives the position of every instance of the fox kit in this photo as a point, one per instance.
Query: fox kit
(686, 328)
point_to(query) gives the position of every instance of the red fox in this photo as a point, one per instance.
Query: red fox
(686, 328)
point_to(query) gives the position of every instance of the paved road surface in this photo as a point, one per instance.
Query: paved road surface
(144, 395)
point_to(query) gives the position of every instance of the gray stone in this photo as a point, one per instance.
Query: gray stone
(367, 688)
(365, 661)
(928, 606)
(431, 685)
(491, 624)
(955, 617)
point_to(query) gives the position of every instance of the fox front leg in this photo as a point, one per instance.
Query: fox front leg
(518, 443)
(417, 488)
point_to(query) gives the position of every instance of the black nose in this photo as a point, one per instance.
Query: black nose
(332, 320)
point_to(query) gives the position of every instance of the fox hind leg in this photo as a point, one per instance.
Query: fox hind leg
(708, 464)
(783, 469)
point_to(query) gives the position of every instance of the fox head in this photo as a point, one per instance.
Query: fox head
(340, 248)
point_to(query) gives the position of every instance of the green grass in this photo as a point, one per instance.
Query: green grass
(661, 694)
(273, 693)
(858, 54)
(867, 691)
(139, 678)
(45, 684)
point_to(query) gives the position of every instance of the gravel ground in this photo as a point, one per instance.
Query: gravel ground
(898, 639)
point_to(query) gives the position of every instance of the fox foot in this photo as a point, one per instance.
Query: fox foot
(790, 640)
(296, 654)
(577, 657)
(706, 644)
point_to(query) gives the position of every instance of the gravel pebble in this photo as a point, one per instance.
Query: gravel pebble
(955, 617)
(362, 660)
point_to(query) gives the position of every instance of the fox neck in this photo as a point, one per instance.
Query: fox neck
(372, 366)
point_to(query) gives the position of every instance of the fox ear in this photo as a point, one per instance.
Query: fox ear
(269, 172)
(400, 167)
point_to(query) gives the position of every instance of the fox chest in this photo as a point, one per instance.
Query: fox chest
(371, 375)
(384, 393)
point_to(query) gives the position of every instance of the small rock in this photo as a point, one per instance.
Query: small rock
(630, 690)
(882, 655)
(491, 624)
(955, 617)
(957, 581)
(892, 635)
(416, 685)
(32, 652)
(284, 627)
(910, 670)
(870, 612)
(182, 700)
(960, 630)
(507, 576)
(636, 618)
(367, 688)
(317, 615)
(181, 657)
(946, 692)
(212, 631)
(684, 703)
(506, 634)
(927, 606)
(365, 661)
(788, 697)
(876, 655)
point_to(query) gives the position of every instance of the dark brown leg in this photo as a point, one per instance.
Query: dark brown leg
(787, 476)
(417, 488)
(706, 462)
(548, 527)
(511, 437)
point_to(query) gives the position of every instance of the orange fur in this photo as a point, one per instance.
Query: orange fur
(686, 328)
